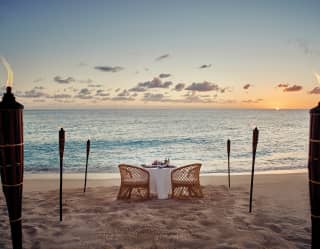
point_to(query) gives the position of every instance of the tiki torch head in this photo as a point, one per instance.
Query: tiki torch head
(315, 109)
(88, 146)
(255, 138)
(61, 142)
(9, 101)
(228, 146)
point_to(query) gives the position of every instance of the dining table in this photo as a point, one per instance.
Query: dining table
(160, 180)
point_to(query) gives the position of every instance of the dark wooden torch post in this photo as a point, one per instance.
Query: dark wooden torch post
(314, 174)
(11, 161)
(228, 150)
(61, 151)
(254, 150)
(85, 177)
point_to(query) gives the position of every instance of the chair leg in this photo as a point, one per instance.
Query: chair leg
(122, 192)
(200, 191)
(148, 193)
(172, 191)
(197, 191)
(129, 193)
(119, 193)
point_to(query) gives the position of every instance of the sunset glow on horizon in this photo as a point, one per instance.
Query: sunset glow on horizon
(168, 54)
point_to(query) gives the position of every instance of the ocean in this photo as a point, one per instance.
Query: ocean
(184, 135)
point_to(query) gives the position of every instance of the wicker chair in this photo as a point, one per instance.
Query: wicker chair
(185, 181)
(134, 181)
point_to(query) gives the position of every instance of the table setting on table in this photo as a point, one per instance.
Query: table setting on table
(160, 177)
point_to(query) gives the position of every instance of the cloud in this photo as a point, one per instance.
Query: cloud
(102, 93)
(39, 88)
(109, 69)
(179, 87)
(153, 97)
(122, 98)
(60, 80)
(203, 87)
(124, 93)
(315, 90)
(94, 85)
(84, 93)
(251, 101)
(247, 86)
(166, 84)
(154, 83)
(205, 66)
(61, 96)
(282, 85)
(137, 89)
(162, 57)
(198, 99)
(34, 93)
(228, 101)
(39, 100)
(294, 88)
(189, 98)
(164, 75)
(287, 88)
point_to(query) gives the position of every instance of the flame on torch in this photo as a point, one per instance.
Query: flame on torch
(9, 71)
(317, 77)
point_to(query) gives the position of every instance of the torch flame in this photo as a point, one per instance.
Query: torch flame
(317, 77)
(9, 71)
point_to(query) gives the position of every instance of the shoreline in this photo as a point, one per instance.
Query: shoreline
(95, 175)
(46, 182)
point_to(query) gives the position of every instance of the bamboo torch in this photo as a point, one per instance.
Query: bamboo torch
(87, 159)
(228, 150)
(61, 151)
(314, 174)
(254, 150)
(11, 161)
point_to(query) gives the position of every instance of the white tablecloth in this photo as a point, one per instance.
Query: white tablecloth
(160, 181)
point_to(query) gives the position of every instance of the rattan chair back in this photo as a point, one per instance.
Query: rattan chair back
(134, 181)
(185, 181)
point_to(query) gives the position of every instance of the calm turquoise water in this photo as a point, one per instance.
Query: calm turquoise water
(185, 136)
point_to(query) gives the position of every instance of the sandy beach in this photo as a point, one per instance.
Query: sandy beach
(280, 217)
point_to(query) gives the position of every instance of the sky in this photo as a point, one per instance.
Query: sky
(162, 54)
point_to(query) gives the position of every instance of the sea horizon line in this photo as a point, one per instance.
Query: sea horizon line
(166, 108)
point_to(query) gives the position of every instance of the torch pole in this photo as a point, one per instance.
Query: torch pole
(314, 175)
(61, 151)
(11, 162)
(87, 159)
(228, 150)
(254, 149)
